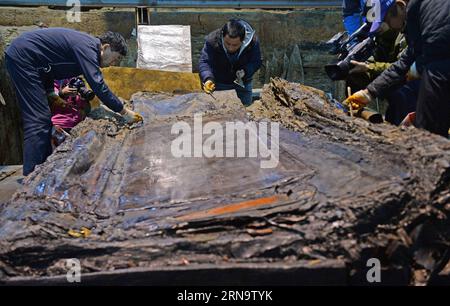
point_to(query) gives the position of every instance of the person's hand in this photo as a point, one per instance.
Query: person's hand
(209, 86)
(56, 100)
(409, 120)
(68, 91)
(130, 116)
(359, 67)
(359, 99)
(240, 74)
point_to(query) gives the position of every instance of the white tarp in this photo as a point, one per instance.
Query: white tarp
(164, 47)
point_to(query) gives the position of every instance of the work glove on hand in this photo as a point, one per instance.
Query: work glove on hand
(130, 116)
(240, 74)
(359, 99)
(56, 100)
(209, 86)
(358, 67)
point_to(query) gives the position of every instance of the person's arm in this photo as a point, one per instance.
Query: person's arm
(205, 63)
(377, 68)
(87, 57)
(394, 75)
(255, 61)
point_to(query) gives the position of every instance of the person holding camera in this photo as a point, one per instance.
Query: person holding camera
(36, 58)
(427, 32)
(229, 58)
(401, 99)
(65, 117)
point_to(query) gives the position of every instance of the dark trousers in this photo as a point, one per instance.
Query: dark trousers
(433, 104)
(36, 115)
(402, 101)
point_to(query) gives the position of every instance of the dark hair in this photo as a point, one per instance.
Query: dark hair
(116, 41)
(233, 28)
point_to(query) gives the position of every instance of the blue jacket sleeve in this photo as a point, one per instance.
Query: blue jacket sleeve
(205, 63)
(88, 60)
(394, 75)
(255, 61)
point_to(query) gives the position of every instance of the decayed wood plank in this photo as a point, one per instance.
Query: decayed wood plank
(343, 189)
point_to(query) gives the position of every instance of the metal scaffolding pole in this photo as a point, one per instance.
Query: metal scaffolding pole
(286, 4)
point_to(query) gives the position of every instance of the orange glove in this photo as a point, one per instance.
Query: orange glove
(359, 99)
(409, 120)
(209, 86)
(130, 116)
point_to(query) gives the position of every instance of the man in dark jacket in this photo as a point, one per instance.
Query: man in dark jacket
(229, 59)
(428, 55)
(37, 58)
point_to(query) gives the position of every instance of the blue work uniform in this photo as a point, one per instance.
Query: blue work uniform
(33, 61)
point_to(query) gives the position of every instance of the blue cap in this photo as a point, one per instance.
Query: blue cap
(378, 11)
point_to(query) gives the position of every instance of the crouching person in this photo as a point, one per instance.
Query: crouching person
(230, 57)
(65, 117)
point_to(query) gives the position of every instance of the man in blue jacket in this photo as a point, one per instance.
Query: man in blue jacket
(230, 57)
(37, 58)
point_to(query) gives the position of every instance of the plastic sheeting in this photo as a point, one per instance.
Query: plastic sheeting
(164, 47)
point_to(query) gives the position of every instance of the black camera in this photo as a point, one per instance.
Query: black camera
(359, 52)
(358, 47)
(84, 92)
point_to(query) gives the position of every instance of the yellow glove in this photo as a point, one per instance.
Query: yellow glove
(209, 86)
(130, 116)
(56, 100)
(359, 99)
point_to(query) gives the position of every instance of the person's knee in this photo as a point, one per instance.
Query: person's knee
(245, 97)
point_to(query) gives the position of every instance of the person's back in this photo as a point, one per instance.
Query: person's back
(428, 29)
(54, 50)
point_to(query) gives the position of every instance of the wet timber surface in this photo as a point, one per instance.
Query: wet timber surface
(343, 191)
